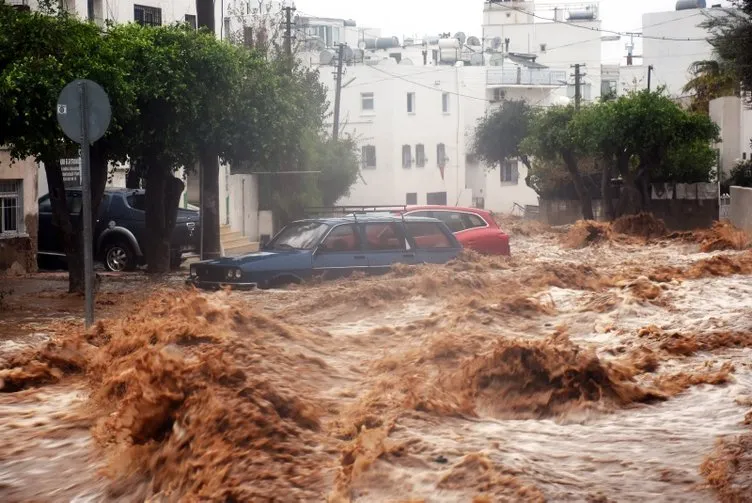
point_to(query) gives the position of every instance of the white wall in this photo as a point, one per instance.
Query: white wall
(726, 113)
(672, 59)
(244, 214)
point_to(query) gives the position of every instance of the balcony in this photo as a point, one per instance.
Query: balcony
(543, 77)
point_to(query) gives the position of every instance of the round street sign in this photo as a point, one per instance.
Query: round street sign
(97, 109)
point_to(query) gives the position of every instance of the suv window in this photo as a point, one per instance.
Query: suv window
(452, 219)
(75, 202)
(343, 238)
(46, 205)
(472, 221)
(137, 201)
(428, 235)
(384, 236)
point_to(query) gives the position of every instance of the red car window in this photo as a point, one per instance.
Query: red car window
(428, 235)
(472, 221)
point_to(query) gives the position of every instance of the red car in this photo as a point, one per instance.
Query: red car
(475, 229)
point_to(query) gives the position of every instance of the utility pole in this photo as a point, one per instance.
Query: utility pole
(288, 30)
(577, 83)
(650, 72)
(338, 90)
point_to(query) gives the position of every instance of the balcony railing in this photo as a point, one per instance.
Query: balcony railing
(526, 77)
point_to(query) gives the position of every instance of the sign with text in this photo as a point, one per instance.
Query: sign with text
(71, 169)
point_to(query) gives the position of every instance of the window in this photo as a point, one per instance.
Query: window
(147, 16)
(436, 198)
(368, 156)
(74, 201)
(407, 159)
(366, 102)
(509, 172)
(226, 28)
(420, 155)
(45, 206)
(472, 221)
(299, 236)
(190, 20)
(445, 103)
(411, 198)
(11, 206)
(343, 238)
(427, 235)
(137, 201)
(441, 157)
(411, 103)
(384, 236)
(498, 94)
(452, 219)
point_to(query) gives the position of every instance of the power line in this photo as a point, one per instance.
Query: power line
(590, 28)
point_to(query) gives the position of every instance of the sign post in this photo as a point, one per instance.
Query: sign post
(84, 113)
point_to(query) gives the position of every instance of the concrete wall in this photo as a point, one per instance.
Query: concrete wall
(244, 212)
(21, 247)
(735, 122)
(741, 208)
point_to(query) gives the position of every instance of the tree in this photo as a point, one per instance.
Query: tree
(646, 137)
(731, 37)
(498, 134)
(39, 55)
(552, 139)
(711, 79)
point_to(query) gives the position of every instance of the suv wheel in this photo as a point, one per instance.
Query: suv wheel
(119, 257)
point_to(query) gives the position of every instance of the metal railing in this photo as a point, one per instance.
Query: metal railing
(525, 77)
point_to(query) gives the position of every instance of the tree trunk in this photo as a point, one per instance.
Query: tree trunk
(162, 197)
(71, 229)
(607, 193)
(132, 178)
(579, 186)
(210, 204)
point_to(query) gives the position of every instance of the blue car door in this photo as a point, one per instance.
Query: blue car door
(386, 245)
(433, 242)
(340, 253)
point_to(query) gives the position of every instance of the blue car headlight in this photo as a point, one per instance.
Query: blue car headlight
(234, 273)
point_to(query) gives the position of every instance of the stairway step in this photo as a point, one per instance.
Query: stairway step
(241, 250)
(235, 241)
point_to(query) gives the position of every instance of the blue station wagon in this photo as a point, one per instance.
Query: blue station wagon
(331, 248)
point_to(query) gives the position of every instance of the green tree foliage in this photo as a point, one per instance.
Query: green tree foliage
(646, 137)
(731, 38)
(741, 175)
(711, 79)
(498, 134)
(553, 139)
(39, 55)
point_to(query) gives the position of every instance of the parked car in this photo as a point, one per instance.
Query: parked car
(119, 229)
(331, 248)
(474, 228)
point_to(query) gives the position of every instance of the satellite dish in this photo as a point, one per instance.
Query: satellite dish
(347, 53)
(496, 44)
(461, 37)
(362, 45)
(474, 41)
(326, 57)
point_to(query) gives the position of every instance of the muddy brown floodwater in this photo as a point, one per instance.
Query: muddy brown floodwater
(592, 366)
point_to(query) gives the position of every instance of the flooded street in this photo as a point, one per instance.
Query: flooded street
(603, 372)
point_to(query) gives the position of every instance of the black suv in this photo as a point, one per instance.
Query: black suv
(119, 229)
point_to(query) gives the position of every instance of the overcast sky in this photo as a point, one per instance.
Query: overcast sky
(421, 17)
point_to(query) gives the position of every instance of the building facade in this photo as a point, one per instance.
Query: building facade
(18, 214)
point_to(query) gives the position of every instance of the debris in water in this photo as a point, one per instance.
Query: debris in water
(644, 225)
(723, 236)
(728, 469)
(587, 233)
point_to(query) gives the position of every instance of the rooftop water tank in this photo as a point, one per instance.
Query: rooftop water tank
(449, 49)
(582, 15)
(690, 4)
(326, 57)
(382, 43)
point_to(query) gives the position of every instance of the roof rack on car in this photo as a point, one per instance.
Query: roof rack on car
(351, 210)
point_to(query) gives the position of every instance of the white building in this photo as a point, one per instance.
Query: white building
(734, 119)
(412, 106)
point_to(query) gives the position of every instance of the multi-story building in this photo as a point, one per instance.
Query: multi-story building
(413, 105)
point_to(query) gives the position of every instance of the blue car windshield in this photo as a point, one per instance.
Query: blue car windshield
(299, 236)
